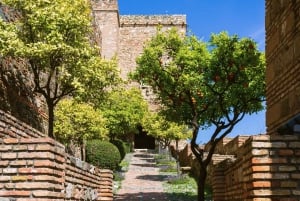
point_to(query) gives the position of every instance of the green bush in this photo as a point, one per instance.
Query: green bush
(122, 146)
(102, 154)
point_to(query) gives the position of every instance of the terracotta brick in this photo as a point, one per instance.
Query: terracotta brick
(3, 163)
(20, 148)
(261, 184)
(263, 168)
(4, 178)
(43, 147)
(18, 163)
(4, 147)
(21, 178)
(260, 152)
(36, 155)
(8, 193)
(262, 176)
(286, 152)
(268, 160)
(10, 171)
(11, 141)
(8, 155)
(38, 185)
(47, 194)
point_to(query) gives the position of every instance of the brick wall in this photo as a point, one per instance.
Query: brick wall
(36, 168)
(266, 169)
(259, 168)
(283, 66)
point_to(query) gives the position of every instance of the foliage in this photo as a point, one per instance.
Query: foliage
(122, 147)
(204, 84)
(55, 38)
(124, 110)
(102, 154)
(159, 127)
(78, 122)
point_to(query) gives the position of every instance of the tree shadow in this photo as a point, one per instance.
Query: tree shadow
(144, 165)
(143, 156)
(16, 93)
(154, 177)
(155, 196)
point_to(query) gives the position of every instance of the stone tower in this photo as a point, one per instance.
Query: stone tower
(124, 36)
(106, 13)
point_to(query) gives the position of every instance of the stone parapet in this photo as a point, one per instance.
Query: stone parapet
(152, 20)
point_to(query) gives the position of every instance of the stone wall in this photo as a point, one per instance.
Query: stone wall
(36, 168)
(283, 66)
(106, 13)
(16, 86)
(135, 30)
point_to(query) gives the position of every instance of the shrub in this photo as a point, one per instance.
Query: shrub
(122, 146)
(102, 154)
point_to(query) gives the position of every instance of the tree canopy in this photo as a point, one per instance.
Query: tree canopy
(78, 122)
(55, 38)
(165, 131)
(124, 110)
(213, 83)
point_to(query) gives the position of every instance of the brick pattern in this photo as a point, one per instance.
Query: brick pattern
(31, 168)
(283, 67)
(11, 127)
(259, 168)
(34, 167)
(267, 169)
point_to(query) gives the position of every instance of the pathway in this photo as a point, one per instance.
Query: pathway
(142, 180)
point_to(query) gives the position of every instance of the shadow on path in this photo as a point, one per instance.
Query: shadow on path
(143, 181)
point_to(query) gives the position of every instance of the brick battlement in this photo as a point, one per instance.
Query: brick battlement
(152, 20)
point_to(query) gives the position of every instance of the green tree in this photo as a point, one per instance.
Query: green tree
(124, 109)
(163, 130)
(75, 123)
(204, 84)
(55, 38)
(166, 131)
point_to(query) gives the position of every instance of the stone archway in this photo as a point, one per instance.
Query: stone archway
(143, 141)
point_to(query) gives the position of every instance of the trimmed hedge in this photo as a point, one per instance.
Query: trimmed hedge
(102, 154)
(122, 146)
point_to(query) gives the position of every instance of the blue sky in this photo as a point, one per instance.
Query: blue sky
(246, 18)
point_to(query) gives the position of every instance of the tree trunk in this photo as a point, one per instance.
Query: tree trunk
(201, 183)
(177, 159)
(50, 119)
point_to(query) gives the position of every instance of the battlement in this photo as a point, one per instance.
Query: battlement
(105, 5)
(152, 20)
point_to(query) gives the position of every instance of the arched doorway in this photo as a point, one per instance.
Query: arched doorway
(143, 141)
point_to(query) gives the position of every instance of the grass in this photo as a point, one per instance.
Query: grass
(119, 174)
(178, 188)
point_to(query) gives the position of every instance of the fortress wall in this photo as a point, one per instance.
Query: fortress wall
(283, 62)
(135, 30)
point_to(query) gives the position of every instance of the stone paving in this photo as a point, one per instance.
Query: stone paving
(142, 180)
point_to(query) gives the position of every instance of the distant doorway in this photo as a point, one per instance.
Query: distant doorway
(143, 141)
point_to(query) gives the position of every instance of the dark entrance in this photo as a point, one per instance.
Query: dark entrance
(143, 141)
